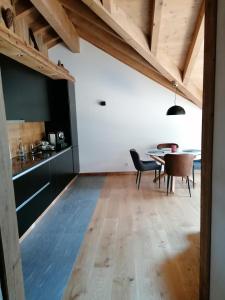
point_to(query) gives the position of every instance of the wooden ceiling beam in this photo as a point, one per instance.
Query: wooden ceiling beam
(40, 27)
(15, 47)
(104, 38)
(195, 45)
(53, 42)
(49, 35)
(79, 8)
(23, 8)
(107, 4)
(133, 35)
(155, 30)
(56, 16)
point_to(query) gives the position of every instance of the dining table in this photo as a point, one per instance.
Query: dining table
(158, 156)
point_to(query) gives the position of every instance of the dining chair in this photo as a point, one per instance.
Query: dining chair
(142, 166)
(178, 165)
(167, 145)
(196, 166)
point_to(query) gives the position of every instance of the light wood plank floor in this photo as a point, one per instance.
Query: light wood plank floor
(140, 244)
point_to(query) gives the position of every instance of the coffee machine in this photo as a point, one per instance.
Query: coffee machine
(57, 139)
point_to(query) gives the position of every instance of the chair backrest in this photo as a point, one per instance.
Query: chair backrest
(136, 159)
(167, 145)
(179, 164)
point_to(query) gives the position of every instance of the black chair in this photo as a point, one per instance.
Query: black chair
(142, 166)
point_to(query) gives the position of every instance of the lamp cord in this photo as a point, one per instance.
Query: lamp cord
(175, 98)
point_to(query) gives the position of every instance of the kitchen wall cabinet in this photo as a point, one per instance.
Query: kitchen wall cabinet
(73, 125)
(62, 103)
(31, 96)
(25, 92)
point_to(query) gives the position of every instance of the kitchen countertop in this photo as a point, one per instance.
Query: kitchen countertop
(22, 166)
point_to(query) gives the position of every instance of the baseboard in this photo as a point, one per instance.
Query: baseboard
(108, 173)
(118, 173)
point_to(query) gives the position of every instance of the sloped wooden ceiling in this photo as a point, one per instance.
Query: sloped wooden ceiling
(163, 39)
(168, 34)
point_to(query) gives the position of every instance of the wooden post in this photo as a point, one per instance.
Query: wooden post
(10, 261)
(213, 183)
(207, 144)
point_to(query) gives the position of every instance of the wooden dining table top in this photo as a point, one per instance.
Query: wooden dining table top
(158, 154)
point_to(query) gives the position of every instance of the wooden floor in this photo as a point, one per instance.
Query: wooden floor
(140, 244)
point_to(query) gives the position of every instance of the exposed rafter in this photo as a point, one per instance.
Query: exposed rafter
(15, 47)
(104, 38)
(40, 27)
(56, 16)
(157, 15)
(133, 35)
(107, 4)
(195, 46)
(23, 8)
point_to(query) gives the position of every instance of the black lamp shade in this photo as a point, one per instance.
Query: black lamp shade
(175, 110)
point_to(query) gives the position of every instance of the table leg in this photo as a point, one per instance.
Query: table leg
(157, 177)
(173, 184)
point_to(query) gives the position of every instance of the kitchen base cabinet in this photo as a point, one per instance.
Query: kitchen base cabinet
(61, 172)
(28, 184)
(76, 162)
(36, 190)
(28, 214)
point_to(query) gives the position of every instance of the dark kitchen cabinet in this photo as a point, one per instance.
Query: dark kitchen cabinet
(76, 162)
(73, 113)
(25, 92)
(73, 126)
(61, 172)
(63, 103)
(27, 185)
(36, 190)
(28, 214)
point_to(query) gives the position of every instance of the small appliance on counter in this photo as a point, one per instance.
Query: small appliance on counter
(45, 146)
(57, 139)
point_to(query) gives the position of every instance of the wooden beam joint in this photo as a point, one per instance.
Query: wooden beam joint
(56, 16)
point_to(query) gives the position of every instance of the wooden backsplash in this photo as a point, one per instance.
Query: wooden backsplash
(29, 132)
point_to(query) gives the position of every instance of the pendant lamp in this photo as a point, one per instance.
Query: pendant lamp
(175, 109)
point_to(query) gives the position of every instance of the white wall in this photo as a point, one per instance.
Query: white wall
(135, 114)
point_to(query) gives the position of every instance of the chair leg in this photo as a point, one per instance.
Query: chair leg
(155, 174)
(168, 183)
(188, 181)
(139, 180)
(193, 176)
(137, 177)
(171, 184)
(159, 177)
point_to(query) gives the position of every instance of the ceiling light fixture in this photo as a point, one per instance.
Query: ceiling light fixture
(175, 109)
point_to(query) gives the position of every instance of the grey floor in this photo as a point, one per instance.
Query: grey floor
(1, 297)
(51, 248)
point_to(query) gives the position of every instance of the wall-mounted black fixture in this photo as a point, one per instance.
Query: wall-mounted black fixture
(102, 103)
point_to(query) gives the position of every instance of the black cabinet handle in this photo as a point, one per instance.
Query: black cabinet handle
(32, 197)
